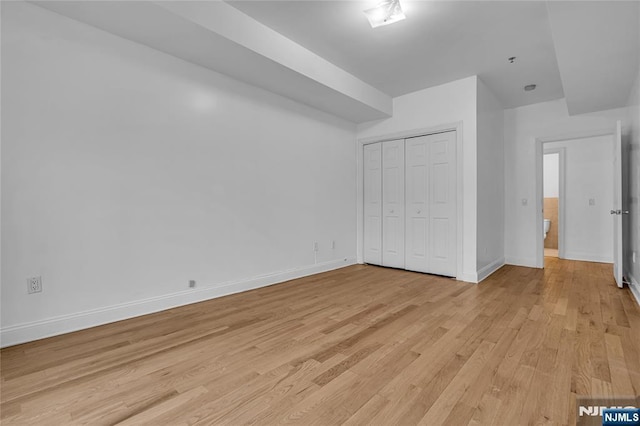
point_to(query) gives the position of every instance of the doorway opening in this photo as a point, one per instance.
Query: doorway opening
(553, 169)
(575, 193)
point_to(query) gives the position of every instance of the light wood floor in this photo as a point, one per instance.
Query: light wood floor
(361, 345)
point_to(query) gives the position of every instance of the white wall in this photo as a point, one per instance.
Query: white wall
(632, 152)
(551, 178)
(126, 172)
(446, 104)
(490, 242)
(522, 126)
(588, 229)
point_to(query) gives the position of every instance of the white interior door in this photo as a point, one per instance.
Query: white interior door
(393, 203)
(617, 205)
(373, 204)
(442, 203)
(417, 208)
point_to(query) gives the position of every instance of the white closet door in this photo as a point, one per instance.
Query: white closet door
(373, 204)
(417, 208)
(393, 204)
(442, 203)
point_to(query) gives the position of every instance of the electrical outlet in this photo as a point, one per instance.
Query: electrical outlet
(333, 244)
(34, 285)
(315, 246)
(192, 283)
(592, 201)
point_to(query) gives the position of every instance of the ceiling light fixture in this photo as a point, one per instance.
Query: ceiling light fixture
(529, 87)
(385, 13)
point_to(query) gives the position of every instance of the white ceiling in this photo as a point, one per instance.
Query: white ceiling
(214, 35)
(597, 52)
(441, 41)
(325, 54)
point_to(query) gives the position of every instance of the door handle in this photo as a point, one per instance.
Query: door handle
(625, 212)
(616, 212)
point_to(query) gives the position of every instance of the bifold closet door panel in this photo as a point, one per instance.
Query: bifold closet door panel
(373, 204)
(393, 203)
(417, 209)
(442, 203)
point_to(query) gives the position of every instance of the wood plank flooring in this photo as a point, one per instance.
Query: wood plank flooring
(358, 346)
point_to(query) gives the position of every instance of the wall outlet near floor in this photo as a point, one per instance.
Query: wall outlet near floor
(315, 246)
(333, 244)
(34, 285)
(192, 283)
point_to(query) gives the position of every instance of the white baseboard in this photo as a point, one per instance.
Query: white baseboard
(587, 257)
(521, 261)
(468, 277)
(490, 269)
(634, 286)
(26, 332)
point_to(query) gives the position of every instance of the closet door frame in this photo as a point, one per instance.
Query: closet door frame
(457, 127)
